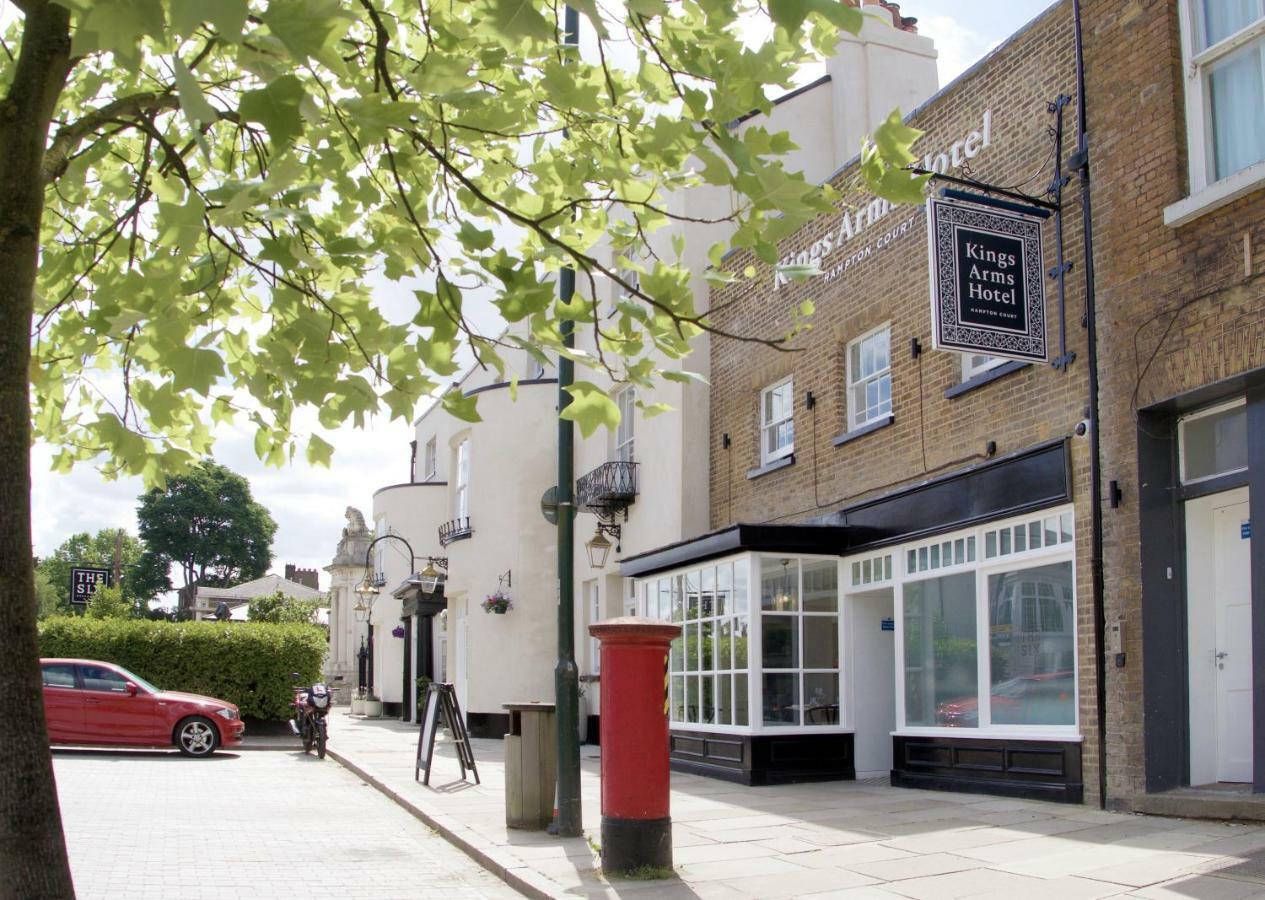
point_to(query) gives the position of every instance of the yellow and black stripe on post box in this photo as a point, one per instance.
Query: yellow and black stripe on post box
(636, 814)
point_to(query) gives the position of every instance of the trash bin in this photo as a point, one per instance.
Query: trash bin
(531, 765)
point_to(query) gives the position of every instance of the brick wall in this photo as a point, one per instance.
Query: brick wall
(1177, 307)
(931, 435)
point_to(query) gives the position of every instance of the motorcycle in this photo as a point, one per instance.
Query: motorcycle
(311, 707)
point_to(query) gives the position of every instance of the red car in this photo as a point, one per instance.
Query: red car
(91, 702)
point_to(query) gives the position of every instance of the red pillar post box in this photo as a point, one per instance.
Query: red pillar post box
(636, 819)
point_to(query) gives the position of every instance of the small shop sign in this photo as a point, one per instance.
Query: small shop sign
(987, 281)
(84, 583)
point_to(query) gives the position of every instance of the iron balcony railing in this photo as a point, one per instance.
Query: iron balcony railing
(454, 530)
(610, 488)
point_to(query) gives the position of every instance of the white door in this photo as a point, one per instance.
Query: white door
(1219, 598)
(461, 653)
(871, 675)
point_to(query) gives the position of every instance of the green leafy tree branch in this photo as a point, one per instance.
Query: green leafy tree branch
(197, 199)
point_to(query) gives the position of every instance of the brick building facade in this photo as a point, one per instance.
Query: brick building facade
(907, 462)
(1178, 212)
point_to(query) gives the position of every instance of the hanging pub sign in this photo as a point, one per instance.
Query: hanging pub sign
(84, 583)
(987, 281)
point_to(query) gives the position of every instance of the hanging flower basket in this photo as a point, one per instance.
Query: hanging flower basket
(497, 602)
(397, 631)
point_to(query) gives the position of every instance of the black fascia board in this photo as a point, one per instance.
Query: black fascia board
(821, 540)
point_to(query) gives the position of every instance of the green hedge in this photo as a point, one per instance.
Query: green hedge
(247, 663)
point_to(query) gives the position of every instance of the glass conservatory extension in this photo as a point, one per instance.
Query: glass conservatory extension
(968, 633)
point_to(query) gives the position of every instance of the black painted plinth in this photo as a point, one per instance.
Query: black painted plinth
(763, 759)
(631, 844)
(1032, 770)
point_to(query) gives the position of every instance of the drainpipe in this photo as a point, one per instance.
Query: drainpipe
(566, 676)
(1080, 162)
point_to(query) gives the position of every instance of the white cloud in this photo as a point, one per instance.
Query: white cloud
(307, 502)
(960, 47)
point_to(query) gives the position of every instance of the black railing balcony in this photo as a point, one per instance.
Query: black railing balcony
(379, 579)
(454, 530)
(608, 489)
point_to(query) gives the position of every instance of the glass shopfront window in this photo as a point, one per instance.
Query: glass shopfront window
(1007, 621)
(707, 663)
(1032, 646)
(791, 662)
(941, 647)
(799, 602)
(984, 624)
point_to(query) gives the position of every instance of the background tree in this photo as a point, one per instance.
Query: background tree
(140, 580)
(207, 524)
(109, 603)
(47, 601)
(279, 607)
(214, 184)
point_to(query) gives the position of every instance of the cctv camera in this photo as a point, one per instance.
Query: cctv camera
(1082, 427)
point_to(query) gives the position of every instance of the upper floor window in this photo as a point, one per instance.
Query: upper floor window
(777, 425)
(1224, 54)
(461, 494)
(1213, 442)
(429, 461)
(870, 377)
(978, 363)
(626, 400)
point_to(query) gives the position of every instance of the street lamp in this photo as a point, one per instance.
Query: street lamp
(430, 578)
(363, 611)
(368, 591)
(599, 547)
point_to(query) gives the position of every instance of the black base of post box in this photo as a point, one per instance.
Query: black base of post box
(631, 844)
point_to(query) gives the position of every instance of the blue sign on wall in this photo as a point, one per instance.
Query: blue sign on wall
(889, 624)
(1245, 530)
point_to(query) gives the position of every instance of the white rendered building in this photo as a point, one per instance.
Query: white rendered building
(474, 498)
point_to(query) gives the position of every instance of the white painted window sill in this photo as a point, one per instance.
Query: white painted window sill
(1215, 196)
(1003, 734)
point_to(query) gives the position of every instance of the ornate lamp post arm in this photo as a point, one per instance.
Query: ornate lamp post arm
(368, 591)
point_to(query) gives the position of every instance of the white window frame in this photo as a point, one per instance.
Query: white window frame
(1206, 191)
(461, 491)
(860, 417)
(593, 592)
(626, 431)
(381, 529)
(972, 369)
(767, 425)
(1181, 440)
(430, 460)
(982, 568)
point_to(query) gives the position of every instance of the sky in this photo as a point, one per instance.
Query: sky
(307, 502)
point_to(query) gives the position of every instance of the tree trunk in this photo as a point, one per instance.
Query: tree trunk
(33, 861)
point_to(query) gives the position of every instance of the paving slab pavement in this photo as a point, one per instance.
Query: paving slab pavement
(153, 825)
(852, 840)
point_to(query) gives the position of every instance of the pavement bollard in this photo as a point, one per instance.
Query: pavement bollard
(636, 818)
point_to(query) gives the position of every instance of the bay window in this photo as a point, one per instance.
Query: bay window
(983, 622)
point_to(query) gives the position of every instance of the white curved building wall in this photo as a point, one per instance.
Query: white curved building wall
(513, 461)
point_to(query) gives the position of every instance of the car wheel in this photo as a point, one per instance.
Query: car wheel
(197, 736)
